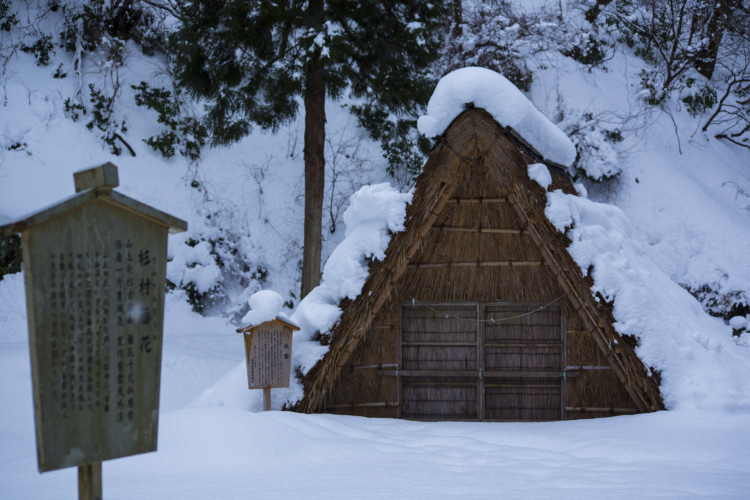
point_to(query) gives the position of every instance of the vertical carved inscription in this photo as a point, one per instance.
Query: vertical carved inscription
(269, 355)
(81, 323)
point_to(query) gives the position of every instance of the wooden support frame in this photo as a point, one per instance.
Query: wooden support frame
(503, 263)
(382, 404)
(471, 373)
(477, 200)
(601, 410)
(90, 481)
(480, 230)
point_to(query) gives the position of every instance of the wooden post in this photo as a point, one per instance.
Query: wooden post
(90, 482)
(267, 398)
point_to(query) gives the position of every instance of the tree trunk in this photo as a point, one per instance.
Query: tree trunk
(717, 25)
(315, 137)
(458, 18)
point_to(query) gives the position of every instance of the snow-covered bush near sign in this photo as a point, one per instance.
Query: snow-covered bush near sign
(216, 268)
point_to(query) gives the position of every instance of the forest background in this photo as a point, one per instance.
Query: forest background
(220, 70)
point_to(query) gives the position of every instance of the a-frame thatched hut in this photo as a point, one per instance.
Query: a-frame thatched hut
(478, 311)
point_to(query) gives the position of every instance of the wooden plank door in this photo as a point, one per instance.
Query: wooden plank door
(524, 362)
(439, 355)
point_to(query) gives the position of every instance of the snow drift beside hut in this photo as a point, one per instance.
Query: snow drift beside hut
(700, 363)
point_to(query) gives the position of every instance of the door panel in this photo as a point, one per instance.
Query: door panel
(527, 341)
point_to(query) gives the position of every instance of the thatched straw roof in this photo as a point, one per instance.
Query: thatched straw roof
(475, 140)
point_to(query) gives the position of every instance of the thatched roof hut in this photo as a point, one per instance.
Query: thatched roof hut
(478, 311)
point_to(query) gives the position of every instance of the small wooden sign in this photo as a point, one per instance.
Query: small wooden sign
(268, 352)
(95, 269)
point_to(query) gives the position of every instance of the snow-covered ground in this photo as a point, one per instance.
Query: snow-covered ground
(219, 444)
(681, 191)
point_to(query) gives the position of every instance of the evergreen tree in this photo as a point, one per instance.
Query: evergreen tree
(252, 59)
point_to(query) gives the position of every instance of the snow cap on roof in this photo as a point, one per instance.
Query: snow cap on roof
(510, 108)
(265, 305)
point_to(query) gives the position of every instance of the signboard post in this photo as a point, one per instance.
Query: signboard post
(95, 268)
(268, 352)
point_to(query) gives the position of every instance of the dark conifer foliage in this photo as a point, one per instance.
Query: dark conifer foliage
(252, 59)
(249, 58)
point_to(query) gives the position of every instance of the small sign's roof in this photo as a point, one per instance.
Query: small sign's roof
(281, 319)
(98, 185)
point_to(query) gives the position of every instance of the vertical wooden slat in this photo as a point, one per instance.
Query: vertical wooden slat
(563, 366)
(399, 361)
(480, 360)
(480, 329)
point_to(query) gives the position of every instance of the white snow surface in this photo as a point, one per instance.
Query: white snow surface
(738, 322)
(493, 92)
(701, 366)
(539, 173)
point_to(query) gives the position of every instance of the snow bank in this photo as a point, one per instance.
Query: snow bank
(13, 326)
(375, 212)
(495, 94)
(701, 365)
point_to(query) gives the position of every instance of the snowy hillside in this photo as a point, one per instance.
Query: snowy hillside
(680, 204)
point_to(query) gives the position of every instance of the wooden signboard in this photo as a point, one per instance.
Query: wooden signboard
(268, 352)
(95, 268)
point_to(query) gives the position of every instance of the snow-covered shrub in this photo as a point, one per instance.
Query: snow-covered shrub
(87, 24)
(102, 111)
(664, 34)
(720, 304)
(8, 18)
(215, 270)
(42, 48)
(597, 156)
(587, 47)
(700, 100)
(690, 41)
(739, 324)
